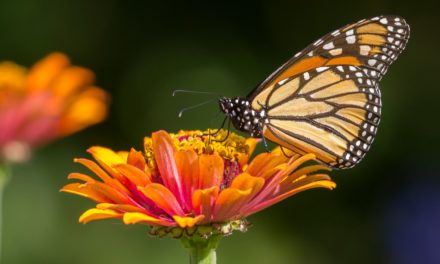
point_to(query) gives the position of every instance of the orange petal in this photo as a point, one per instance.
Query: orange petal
(44, 71)
(133, 174)
(134, 218)
(111, 193)
(72, 79)
(80, 176)
(164, 154)
(78, 189)
(203, 202)
(305, 171)
(188, 167)
(97, 214)
(120, 207)
(88, 108)
(245, 181)
(226, 203)
(328, 184)
(211, 169)
(263, 162)
(123, 154)
(105, 155)
(101, 174)
(251, 143)
(137, 159)
(95, 169)
(107, 158)
(163, 198)
(185, 222)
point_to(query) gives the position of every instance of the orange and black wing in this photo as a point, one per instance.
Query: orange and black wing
(326, 100)
(371, 44)
(332, 111)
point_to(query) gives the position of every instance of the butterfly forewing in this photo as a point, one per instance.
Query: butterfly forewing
(371, 44)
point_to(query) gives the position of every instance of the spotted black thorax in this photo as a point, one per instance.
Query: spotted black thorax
(243, 117)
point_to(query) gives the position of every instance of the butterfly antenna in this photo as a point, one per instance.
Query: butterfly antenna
(194, 92)
(194, 106)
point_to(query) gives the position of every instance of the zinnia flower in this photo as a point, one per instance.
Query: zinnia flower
(191, 183)
(51, 100)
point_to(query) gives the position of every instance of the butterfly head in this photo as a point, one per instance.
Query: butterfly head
(243, 117)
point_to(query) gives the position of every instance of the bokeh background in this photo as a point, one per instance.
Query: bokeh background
(385, 210)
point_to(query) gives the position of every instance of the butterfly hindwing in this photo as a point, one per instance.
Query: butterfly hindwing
(332, 111)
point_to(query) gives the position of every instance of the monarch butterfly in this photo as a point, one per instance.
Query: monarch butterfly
(326, 99)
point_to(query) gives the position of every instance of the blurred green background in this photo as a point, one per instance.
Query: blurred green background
(385, 210)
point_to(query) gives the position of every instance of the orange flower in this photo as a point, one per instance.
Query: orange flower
(191, 180)
(51, 100)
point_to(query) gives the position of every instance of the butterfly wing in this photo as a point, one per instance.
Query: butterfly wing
(371, 44)
(332, 111)
(326, 99)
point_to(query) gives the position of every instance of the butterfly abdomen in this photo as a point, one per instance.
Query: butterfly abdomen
(242, 116)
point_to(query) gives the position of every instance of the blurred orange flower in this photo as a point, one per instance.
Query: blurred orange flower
(190, 179)
(51, 100)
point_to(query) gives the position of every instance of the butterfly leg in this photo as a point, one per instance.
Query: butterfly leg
(227, 135)
(264, 140)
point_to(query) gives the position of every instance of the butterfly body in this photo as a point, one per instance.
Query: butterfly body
(243, 116)
(326, 99)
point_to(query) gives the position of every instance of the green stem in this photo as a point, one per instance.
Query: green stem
(201, 250)
(4, 177)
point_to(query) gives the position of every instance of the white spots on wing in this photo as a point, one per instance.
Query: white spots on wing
(397, 19)
(375, 109)
(375, 18)
(383, 21)
(350, 39)
(390, 28)
(364, 50)
(283, 81)
(321, 69)
(352, 68)
(368, 81)
(297, 54)
(335, 33)
(340, 68)
(336, 52)
(310, 54)
(372, 62)
(390, 39)
(360, 80)
(328, 46)
(318, 42)
(398, 24)
(400, 30)
(359, 74)
(349, 32)
(306, 76)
